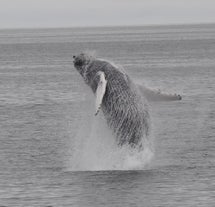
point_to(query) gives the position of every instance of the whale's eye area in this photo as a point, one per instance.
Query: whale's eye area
(78, 62)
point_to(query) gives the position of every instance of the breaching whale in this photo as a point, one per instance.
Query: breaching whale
(120, 99)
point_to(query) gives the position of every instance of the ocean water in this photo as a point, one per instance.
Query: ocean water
(53, 152)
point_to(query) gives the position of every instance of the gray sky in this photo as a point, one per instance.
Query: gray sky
(67, 13)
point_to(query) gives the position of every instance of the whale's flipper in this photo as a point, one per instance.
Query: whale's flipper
(100, 91)
(157, 95)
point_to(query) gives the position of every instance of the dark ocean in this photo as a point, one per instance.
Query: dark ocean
(50, 151)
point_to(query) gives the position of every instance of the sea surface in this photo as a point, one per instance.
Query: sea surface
(46, 114)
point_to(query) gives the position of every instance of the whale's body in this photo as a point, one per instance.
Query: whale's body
(123, 106)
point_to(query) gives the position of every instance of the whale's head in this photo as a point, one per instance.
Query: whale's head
(81, 63)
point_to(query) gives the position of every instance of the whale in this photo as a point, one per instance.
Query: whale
(123, 106)
(120, 99)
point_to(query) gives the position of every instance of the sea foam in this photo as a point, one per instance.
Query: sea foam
(94, 147)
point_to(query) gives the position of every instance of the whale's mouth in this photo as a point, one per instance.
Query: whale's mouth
(74, 59)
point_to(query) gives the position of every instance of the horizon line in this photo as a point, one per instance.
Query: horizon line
(107, 26)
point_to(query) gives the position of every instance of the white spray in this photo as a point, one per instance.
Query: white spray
(95, 148)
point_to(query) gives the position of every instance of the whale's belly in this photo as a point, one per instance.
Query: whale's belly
(125, 111)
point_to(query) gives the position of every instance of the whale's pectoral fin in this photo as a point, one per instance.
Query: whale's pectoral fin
(157, 95)
(100, 91)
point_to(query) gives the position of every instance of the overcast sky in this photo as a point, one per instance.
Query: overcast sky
(68, 13)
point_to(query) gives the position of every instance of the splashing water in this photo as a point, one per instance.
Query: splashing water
(95, 148)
